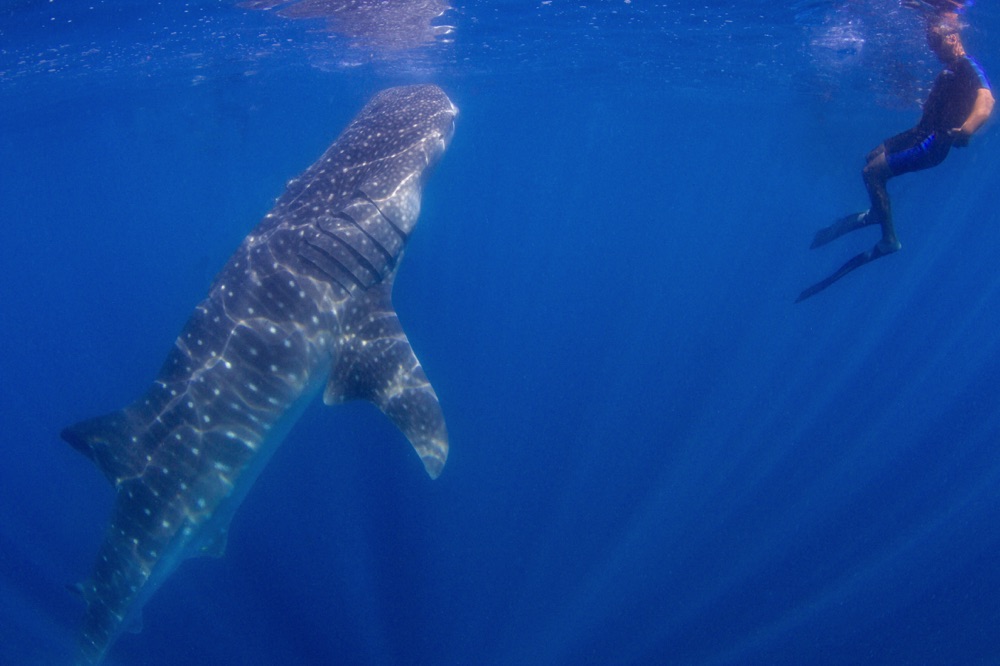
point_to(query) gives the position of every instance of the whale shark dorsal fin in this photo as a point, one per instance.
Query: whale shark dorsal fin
(376, 363)
(109, 441)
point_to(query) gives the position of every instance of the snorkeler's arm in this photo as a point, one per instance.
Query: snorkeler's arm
(981, 111)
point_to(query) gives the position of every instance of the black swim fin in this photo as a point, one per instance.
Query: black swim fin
(856, 261)
(844, 225)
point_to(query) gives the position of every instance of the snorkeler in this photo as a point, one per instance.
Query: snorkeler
(959, 103)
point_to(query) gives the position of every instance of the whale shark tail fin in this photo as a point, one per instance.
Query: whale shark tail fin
(108, 441)
(376, 363)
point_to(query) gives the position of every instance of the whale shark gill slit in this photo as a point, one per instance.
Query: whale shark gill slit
(403, 236)
(370, 234)
(365, 251)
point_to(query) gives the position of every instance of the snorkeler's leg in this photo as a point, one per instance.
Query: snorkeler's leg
(876, 174)
(855, 262)
(875, 152)
(849, 223)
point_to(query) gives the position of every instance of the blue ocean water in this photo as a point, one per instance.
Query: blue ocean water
(656, 457)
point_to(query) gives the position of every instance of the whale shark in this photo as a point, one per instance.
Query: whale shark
(303, 306)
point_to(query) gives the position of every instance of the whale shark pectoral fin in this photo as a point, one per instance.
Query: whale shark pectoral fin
(376, 363)
(413, 406)
(109, 442)
(387, 373)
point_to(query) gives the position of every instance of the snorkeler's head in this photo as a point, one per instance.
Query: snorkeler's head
(943, 36)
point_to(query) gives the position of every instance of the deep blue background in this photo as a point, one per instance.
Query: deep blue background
(656, 457)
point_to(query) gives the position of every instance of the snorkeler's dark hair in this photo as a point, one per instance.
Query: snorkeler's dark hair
(939, 7)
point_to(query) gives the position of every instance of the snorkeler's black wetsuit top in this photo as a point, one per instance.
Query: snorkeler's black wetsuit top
(952, 96)
(949, 104)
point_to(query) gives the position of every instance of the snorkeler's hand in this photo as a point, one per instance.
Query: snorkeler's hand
(959, 138)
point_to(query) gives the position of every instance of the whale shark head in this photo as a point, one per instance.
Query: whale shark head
(414, 126)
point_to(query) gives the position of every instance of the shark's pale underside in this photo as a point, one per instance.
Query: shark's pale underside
(304, 302)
